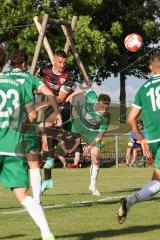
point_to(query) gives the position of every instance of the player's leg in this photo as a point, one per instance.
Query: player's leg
(35, 175)
(148, 191)
(14, 175)
(95, 153)
(49, 163)
(35, 211)
(89, 135)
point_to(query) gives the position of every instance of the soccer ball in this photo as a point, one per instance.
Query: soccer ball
(133, 42)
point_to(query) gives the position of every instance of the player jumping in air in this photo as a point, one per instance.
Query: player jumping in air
(61, 82)
(91, 122)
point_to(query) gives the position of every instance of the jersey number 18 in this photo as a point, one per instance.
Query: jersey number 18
(154, 94)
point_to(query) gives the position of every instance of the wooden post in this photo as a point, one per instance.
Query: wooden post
(68, 35)
(73, 24)
(39, 43)
(45, 40)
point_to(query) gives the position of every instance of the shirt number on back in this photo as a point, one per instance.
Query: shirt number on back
(14, 96)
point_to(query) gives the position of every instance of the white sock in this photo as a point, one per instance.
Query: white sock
(36, 212)
(35, 178)
(147, 192)
(94, 173)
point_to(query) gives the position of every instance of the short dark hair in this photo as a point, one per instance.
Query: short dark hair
(155, 57)
(104, 98)
(18, 57)
(3, 56)
(60, 53)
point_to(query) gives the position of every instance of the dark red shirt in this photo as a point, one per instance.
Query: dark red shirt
(55, 83)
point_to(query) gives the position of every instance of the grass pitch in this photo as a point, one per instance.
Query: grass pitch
(74, 214)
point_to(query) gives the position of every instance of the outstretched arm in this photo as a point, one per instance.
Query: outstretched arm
(83, 88)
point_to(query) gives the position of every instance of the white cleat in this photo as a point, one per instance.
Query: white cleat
(94, 190)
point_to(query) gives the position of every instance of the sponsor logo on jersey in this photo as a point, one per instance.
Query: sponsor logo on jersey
(62, 80)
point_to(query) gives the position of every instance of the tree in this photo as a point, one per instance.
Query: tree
(114, 20)
(99, 34)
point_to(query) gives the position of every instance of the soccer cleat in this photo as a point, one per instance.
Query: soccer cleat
(94, 190)
(47, 184)
(123, 210)
(49, 164)
(50, 237)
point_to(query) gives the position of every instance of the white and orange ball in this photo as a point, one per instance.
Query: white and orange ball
(133, 42)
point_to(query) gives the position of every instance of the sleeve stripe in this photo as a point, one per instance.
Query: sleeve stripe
(134, 105)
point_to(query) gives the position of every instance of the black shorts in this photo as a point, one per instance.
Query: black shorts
(60, 152)
(65, 111)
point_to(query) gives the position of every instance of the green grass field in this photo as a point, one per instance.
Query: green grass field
(75, 214)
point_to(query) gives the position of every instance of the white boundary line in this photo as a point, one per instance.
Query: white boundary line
(78, 203)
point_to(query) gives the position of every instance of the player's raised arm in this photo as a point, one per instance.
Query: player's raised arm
(81, 89)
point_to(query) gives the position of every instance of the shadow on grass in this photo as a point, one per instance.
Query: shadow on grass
(81, 204)
(9, 208)
(66, 194)
(127, 190)
(110, 232)
(13, 236)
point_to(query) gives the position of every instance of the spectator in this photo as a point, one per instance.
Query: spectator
(70, 146)
(134, 146)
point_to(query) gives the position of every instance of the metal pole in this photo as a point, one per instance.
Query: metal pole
(116, 146)
(39, 43)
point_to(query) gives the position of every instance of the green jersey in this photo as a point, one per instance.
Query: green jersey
(30, 82)
(16, 89)
(148, 100)
(88, 116)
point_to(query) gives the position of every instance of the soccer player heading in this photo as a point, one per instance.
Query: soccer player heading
(58, 79)
(147, 101)
(91, 121)
(13, 169)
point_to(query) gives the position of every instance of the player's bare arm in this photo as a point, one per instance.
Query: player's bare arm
(83, 88)
(63, 147)
(132, 119)
(61, 96)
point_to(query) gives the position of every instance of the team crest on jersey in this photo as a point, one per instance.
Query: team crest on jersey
(62, 80)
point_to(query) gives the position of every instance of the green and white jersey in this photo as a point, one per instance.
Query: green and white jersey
(88, 116)
(16, 89)
(148, 100)
(30, 82)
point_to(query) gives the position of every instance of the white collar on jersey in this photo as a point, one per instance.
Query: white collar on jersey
(1, 74)
(55, 72)
(156, 75)
(16, 69)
